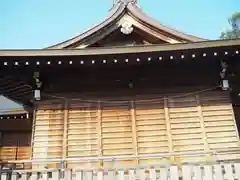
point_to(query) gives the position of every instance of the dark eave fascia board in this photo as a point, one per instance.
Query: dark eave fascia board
(119, 50)
(13, 112)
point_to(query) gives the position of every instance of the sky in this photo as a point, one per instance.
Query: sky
(34, 24)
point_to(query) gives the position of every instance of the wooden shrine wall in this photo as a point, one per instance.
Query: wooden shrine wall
(15, 139)
(237, 115)
(138, 127)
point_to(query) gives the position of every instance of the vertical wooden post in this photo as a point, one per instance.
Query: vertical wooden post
(174, 173)
(218, 172)
(33, 130)
(187, 172)
(206, 145)
(65, 129)
(208, 172)
(168, 127)
(79, 175)
(134, 133)
(14, 176)
(99, 130)
(235, 123)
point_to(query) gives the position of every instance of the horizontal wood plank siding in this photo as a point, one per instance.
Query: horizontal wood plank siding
(185, 123)
(117, 131)
(82, 132)
(173, 123)
(48, 132)
(219, 121)
(15, 146)
(151, 129)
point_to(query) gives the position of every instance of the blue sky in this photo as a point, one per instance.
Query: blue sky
(39, 23)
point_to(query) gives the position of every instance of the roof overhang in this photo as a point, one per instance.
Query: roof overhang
(12, 86)
(121, 50)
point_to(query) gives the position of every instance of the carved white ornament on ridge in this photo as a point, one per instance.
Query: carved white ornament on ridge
(126, 27)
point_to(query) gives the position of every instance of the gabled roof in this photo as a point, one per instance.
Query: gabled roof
(127, 11)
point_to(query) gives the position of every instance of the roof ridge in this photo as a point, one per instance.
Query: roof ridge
(179, 32)
(128, 6)
(117, 9)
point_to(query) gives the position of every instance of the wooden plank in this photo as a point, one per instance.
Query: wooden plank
(123, 130)
(3, 176)
(218, 172)
(88, 175)
(25, 176)
(208, 172)
(237, 170)
(141, 174)
(34, 176)
(68, 174)
(120, 174)
(134, 133)
(131, 174)
(65, 129)
(56, 175)
(187, 172)
(163, 174)
(14, 176)
(100, 175)
(79, 175)
(168, 127)
(228, 172)
(197, 172)
(83, 133)
(45, 175)
(174, 173)
(206, 145)
(33, 131)
(99, 130)
(110, 175)
(152, 174)
(48, 137)
(235, 125)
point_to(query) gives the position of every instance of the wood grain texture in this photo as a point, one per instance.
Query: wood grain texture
(137, 127)
(48, 132)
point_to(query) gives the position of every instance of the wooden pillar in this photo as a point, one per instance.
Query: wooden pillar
(235, 124)
(99, 130)
(134, 133)
(33, 130)
(203, 130)
(168, 127)
(65, 129)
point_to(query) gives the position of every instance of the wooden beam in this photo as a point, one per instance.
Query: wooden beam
(134, 133)
(33, 130)
(235, 125)
(119, 50)
(168, 127)
(65, 129)
(99, 130)
(205, 141)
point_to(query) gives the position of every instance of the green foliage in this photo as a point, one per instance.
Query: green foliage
(234, 32)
